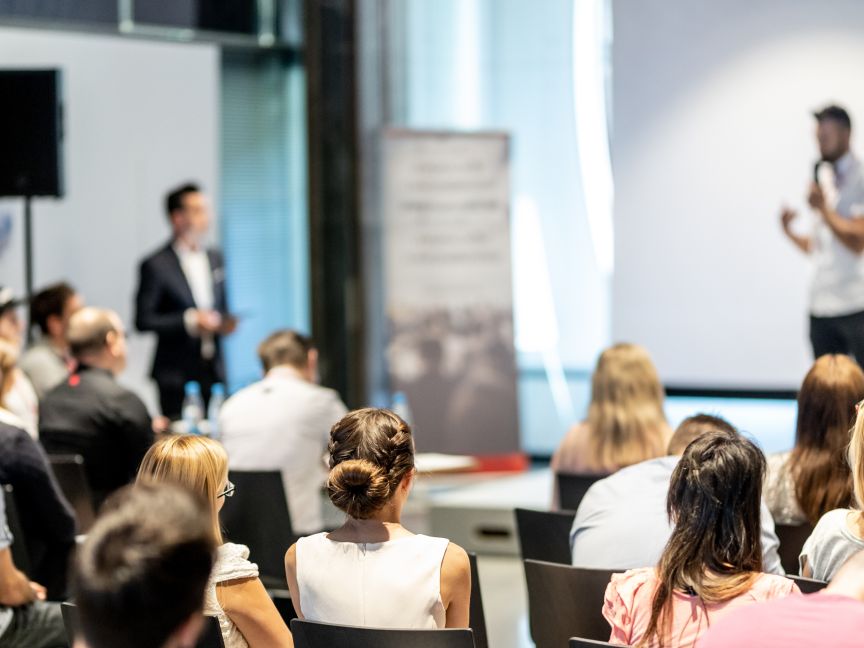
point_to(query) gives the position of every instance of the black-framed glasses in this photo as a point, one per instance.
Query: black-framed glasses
(228, 492)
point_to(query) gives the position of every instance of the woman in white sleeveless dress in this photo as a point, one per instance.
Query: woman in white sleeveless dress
(235, 596)
(372, 571)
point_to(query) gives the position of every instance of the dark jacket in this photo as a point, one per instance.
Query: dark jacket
(94, 416)
(163, 297)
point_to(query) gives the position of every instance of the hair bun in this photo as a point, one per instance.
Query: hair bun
(358, 487)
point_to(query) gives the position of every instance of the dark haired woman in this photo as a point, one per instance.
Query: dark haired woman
(814, 477)
(372, 571)
(712, 563)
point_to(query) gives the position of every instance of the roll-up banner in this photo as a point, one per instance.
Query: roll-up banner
(447, 277)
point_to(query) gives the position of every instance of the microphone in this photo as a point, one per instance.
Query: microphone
(816, 166)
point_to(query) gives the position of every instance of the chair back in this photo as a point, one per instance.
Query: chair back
(572, 488)
(792, 538)
(20, 554)
(565, 602)
(476, 615)
(69, 471)
(578, 642)
(545, 535)
(310, 634)
(257, 516)
(70, 620)
(807, 585)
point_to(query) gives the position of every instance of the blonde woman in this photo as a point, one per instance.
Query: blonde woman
(626, 423)
(839, 533)
(235, 595)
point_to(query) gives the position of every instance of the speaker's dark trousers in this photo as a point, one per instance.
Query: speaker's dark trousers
(843, 334)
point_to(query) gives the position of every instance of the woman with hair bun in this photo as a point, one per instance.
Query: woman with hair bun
(372, 571)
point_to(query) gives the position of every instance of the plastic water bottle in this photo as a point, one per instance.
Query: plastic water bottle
(399, 405)
(217, 397)
(193, 407)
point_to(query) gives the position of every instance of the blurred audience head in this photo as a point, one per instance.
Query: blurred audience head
(826, 413)
(694, 427)
(97, 338)
(51, 308)
(188, 209)
(141, 573)
(8, 361)
(11, 328)
(288, 348)
(625, 417)
(714, 501)
(371, 462)
(833, 131)
(195, 462)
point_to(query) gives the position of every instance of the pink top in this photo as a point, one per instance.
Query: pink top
(572, 453)
(628, 607)
(822, 619)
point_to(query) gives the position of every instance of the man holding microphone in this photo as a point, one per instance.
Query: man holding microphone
(836, 243)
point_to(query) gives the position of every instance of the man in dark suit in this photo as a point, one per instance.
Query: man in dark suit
(181, 298)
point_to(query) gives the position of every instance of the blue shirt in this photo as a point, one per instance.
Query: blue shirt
(622, 521)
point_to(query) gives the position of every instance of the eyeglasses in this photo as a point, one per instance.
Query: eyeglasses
(228, 492)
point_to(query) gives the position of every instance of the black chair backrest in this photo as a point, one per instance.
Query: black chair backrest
(545, 535)
(20, 555)
(578, 642)
(476, 615)
(70, 475)
(210, 637)
(565, 602)
(257, 516)
(310, 634)
(807, 585)
(572, 488)
(792, 538)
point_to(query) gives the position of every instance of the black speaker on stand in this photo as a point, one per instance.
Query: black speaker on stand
(31, 144)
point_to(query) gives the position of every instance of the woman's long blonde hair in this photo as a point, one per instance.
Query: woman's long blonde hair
(195, 462)
(856, 458)
(626, 421)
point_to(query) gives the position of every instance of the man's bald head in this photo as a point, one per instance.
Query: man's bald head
(96, 338)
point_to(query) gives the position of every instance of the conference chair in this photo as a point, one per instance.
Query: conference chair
(210, 637)
(572, 488)
(807, 585)
(20, 553)
(545, 535)
(69, 471)
(578, 642)
(565, 602)
(311, 634)
(792, 538)
(476, 615)
(257, 516)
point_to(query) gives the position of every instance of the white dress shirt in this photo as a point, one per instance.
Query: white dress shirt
(837, 286)
(283, 423)
(199, 275)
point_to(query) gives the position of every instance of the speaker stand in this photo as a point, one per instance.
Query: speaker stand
(28, 255)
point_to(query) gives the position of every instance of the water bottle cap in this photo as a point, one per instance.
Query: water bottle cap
(218, 389)
(192, 387)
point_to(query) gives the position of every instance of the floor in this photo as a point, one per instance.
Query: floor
(505, 602)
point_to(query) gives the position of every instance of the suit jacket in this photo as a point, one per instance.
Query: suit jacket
(163, 297)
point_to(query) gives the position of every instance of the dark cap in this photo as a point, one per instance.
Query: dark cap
(9, 300)
(834, 113)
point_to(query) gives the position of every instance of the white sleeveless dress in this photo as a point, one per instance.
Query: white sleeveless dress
(393, 584)
(232, 563)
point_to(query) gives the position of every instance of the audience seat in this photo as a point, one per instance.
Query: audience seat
(807, 585)
(545, 535)
(69, 472)
(211, 634)
(476, 615)
(257, 516)
(792, 538)
(310, 634)
(564, 602)
(572, 488)
(20, 553)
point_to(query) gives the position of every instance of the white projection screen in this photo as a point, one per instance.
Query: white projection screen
(712, 133)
